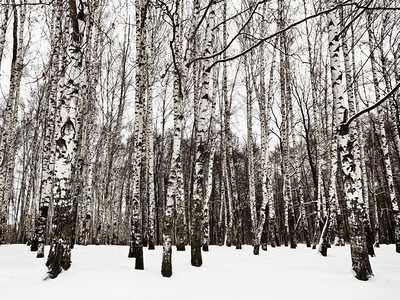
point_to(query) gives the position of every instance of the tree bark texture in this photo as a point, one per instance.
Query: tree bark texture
(347, 147)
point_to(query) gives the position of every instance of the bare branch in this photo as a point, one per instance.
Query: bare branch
(344, 128)
(346, 3)
(232, 40)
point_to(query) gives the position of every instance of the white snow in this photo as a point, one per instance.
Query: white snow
(106, 272)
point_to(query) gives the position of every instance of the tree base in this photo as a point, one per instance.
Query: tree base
(264, 247)
(341, 243)
(166, 269)
(308, 242)
(238, 244)
(40, 252)
(151, 244)
(139, 264)
(34, 245)
(256, 250)
(180, 248)
(166, 265)
(59, 259)
(323, 249)
(363, 273)
(196, 259)
(205, 247)
(131, 253)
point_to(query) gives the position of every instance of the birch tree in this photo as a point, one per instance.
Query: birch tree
(175, 180)
(287, 195)
(136, 230)
(150, 142)
(265, 115)
(250, 156)
(3, 27)
(351, 171)
(49, 145)
(59, 257)
(198, 186)
(210, 168)
(383, 140)
(359, 157)
(7, 146)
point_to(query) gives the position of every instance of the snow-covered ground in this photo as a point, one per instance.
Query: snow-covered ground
(105, 272)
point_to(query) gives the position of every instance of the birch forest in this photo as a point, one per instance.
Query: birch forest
(190, 123)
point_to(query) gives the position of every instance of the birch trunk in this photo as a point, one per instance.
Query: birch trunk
(292, 154)
(250, 156)
(273, 236)
(283, 129)
(210, 169)
(264, 130)
(49, 146)
(317, 171)
(198, 186)
(223, 213)
(7, 146)
(226, 128)
(150, 149)
(383, 142)
(175, 178)
(94, 73)
(66, 143)
(179, 192)
(348, 147)
(3, 28)
(385, 74)
(351, 88)
(136, 230)
(297, 165)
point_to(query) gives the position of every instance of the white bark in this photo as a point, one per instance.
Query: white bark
(150, 149)
(7, 142)
(3, 28)
(136, 230)
(211, 146)
(264, 130)
(283, 129)
(66, 141)
(347, 147)
(49, 145)
(384, 143)
(250, 156)
(175, 179)
(201, 128)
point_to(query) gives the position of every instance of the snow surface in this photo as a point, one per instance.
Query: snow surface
(106, 272)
